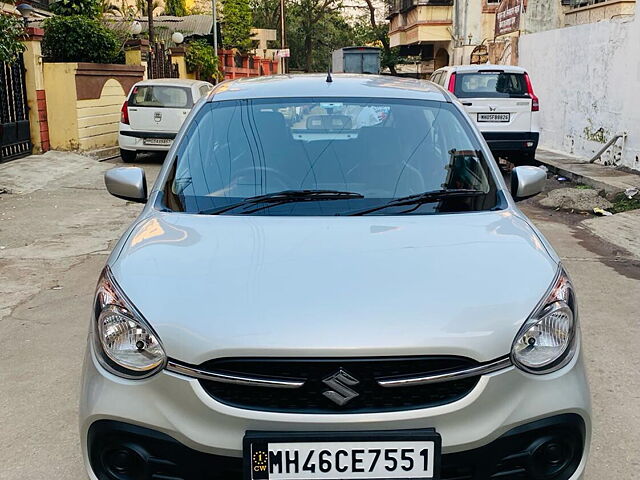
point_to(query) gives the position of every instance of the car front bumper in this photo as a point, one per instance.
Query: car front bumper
(173, 414)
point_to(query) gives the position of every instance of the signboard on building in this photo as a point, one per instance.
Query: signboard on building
(508, 16)
(283, 53)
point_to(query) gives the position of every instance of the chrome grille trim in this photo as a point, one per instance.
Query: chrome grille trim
(192, 372)
(484, 369)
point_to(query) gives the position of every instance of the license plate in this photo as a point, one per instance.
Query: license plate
(407, 455)
(494, 117)
(157, 141)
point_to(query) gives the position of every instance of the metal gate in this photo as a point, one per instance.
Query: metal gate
(15, 139)
(159, 65)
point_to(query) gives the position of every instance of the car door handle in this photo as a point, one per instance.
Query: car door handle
(467, 104)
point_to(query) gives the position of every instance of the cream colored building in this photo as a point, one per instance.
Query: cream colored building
(454, 32)
(440, 32)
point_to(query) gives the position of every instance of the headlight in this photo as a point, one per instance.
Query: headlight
(125, 344)
(546, 342)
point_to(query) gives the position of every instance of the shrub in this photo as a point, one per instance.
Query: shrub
(88, 8)
(79, 39)
(236, 28)
(12, 29)
(201, 58)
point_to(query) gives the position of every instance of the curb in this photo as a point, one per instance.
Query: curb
(600, 177)
(102, 154)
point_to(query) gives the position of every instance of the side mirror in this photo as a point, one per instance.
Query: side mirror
(128, 183)
(527, 181)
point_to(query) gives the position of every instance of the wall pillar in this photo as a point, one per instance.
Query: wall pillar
(178, 58)
(136, 52)
(36, 97)
(266, 66)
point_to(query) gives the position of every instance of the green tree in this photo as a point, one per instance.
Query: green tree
(12, 30)
(266, 13)
(177, 8)
(142, 7)
(316, 28)
(379, 33)
(78, 38)
(87, 8)
(106, 7)
(202, 59)
(236, 26)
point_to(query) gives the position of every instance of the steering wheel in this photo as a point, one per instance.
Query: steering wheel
(272, 174)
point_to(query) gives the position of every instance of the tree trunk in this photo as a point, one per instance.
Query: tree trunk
(383, 39)
(308, 47)
(150, 20)
(387, 51)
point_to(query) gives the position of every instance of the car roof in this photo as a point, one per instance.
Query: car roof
(316, 85)
(172, 82)
(484, 67)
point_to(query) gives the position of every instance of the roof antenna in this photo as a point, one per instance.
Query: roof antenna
(329, 79)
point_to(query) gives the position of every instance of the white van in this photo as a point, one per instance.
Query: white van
(500, 100)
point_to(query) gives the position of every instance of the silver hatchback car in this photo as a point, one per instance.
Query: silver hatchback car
(331, 280)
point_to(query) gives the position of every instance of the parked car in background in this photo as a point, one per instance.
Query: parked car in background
(333, 295)
(153, 113)
(501, 102)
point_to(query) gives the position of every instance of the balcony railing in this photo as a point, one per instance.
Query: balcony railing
(583, 3)
(398, 6)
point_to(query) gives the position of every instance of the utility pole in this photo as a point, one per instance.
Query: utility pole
(214, 9)
(150, 20)
(283, 36)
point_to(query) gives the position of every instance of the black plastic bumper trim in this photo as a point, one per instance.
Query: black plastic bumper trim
(511, 456)
(510, 141)
(129, 133)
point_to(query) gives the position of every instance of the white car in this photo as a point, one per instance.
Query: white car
(153, 113)
(314, 297)
(500, 101)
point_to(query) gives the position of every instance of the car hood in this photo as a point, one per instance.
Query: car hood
(221, 286)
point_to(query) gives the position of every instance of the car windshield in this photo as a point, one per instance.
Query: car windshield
(160, 96)
(297, 154)
(491, 85)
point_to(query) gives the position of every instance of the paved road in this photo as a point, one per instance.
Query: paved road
(56, 230)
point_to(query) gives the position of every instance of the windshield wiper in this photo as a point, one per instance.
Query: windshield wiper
(285, 196)
(420, 198)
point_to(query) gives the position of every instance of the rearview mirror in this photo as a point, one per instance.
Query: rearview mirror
(527, 181)
(128, 183)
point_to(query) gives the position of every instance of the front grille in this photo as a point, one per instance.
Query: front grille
(310, 398)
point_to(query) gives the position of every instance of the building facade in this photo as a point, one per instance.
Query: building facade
(442, 32)
(454, 32)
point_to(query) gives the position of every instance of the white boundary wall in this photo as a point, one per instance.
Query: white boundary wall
(588, 80)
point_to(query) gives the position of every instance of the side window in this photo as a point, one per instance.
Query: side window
(204, 89)
(442, 79)
(435, 78)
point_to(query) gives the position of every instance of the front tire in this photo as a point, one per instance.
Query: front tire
(128, 156)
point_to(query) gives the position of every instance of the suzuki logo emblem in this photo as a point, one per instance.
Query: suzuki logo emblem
(339, 383)
(157, 116)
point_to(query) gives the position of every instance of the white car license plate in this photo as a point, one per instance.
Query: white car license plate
(408, 457)
(494, 117)
(157, 141)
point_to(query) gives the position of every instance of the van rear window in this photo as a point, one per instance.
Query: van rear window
(491, 85)
(160, 96)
